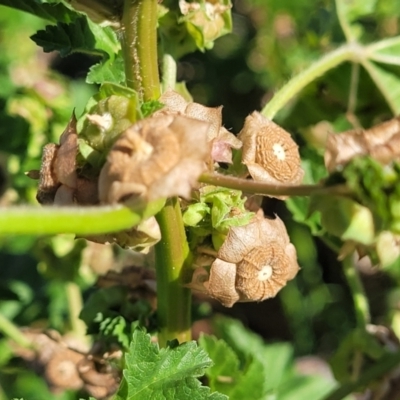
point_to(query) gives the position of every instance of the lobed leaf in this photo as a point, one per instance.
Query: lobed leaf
(80, 35)
(170, 373)
(54, 12)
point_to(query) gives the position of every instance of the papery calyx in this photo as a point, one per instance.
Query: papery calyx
(269, 152)
(253, 264)
(222, 141)
(158, 157)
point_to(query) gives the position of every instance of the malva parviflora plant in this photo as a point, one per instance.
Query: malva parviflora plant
(143, 167)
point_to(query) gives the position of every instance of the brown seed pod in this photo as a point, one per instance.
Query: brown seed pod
(61, 371)
(221, 139)
(382, 142)
(221, 284)
(269, 152)
(58, 180)
(264, 271)
(253, 264)
(158, 157)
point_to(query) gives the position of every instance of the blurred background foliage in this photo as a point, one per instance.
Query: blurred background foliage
(271, 42)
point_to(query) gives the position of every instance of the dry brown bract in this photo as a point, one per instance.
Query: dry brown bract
(58, 180)
(269, 152)
(253, 264)
(221, 139)
(381, 142)
(158, 157)
(66, 368)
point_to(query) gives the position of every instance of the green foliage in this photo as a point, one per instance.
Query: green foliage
(116, 108)
(51, 11)
(169, 373)
(216, 210)
(272, 43)
(84, 36)
(228, 377)
(276, 375)
(194, 28)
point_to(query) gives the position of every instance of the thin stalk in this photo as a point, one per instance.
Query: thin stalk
(361, 308)
(250, 186)
(355, 77)
(75, 305)
(344, 23)
(169, 72)
(13, 333)
(139, 44)
(385, 364)
(349, 52)
(173, 270)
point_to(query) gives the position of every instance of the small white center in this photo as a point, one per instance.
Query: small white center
(265, 273)
(279, 151)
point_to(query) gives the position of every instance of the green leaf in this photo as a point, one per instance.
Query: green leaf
(387, 81)
(345, 218)
(153, 373)
(51, 12)
(224, 373)
(227, 377)
(81, 35)
(305, 387)
(276, 359)
(107, 71)
(385, 51)
(357, 341)
(195, 213)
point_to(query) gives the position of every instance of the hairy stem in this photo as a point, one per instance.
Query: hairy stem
(349, 52)
(13, 333)
(250, 186)
(173, 271)
(139, 44)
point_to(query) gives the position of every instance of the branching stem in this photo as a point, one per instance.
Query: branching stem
(348, 52)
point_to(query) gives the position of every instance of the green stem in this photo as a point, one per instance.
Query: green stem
(344, 23)
(169, 72)
(75, 305)
(361, 308)
(385, 364)
(12, 332)
(139, 44)
(78, 220)
(249, 186)
(349, 52)
(173, 270)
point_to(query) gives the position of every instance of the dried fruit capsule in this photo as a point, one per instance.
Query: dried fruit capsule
(269, 152)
